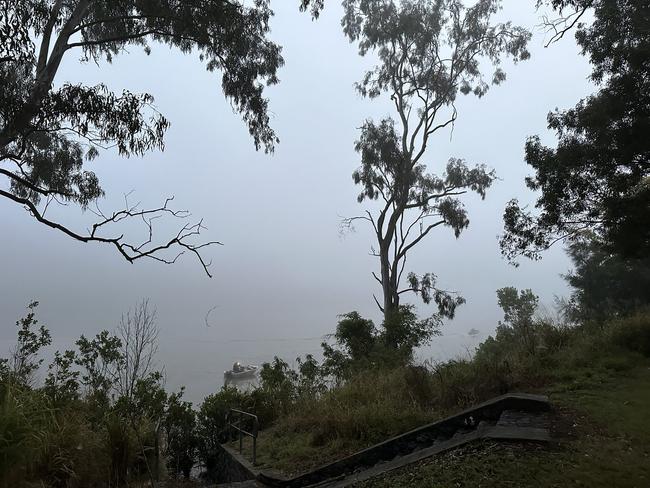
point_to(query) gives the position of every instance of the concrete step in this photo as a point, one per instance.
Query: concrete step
(519, 418)
(485, 430)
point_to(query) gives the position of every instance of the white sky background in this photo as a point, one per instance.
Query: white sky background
(284, 272)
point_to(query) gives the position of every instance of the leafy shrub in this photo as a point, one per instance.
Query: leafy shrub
(182, 439)
(80, 429)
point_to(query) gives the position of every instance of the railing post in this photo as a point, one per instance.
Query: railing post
(255, 428)
(238, 425)
(254, 450)
(240, 432)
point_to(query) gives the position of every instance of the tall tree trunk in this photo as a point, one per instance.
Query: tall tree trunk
(386, 280)
(389, 283)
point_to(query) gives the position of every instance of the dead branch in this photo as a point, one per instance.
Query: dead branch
(560, 26)
(182, 241)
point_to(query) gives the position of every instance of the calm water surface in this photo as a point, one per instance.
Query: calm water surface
(199, 365)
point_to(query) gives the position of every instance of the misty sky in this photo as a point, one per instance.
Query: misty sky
(284, 272)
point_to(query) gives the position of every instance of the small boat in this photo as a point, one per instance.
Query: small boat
(240, 372)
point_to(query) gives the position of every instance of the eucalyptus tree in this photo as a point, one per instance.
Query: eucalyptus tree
(428, 52)
(47, 132)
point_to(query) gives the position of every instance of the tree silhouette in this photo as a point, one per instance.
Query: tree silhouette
(598, 176)
(48, 132)
(429, 52)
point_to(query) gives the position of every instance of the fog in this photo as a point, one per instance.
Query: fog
(284, 272)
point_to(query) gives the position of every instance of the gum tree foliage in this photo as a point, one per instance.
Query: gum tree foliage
(100, 360)
(278, 383)
(62, 380)
(311, 381)
(518, 307)
(49, 132)
(403, 331)
(597, 177)
(429, 51)
(355, 339)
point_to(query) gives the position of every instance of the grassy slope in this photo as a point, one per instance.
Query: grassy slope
(367, 410)
(607, 443)
(292, 453)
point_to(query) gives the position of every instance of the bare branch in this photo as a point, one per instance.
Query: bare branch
(374, 275)
(422, 235)
(378, 304)
(347, 223)
(129, 251)
(139, 334)
(560, 26)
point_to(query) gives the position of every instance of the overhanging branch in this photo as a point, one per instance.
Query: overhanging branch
(560, 26)
(132, 252)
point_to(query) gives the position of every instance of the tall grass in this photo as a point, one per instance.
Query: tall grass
(372, 405)
(60, 448)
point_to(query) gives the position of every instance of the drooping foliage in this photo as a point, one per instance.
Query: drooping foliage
(51, 128)
(597, 177)
(428, 52)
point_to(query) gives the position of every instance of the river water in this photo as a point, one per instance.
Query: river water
(199, 365)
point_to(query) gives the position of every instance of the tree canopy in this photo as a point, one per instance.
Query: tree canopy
(428, 52)
(598, 175)
(49, 131)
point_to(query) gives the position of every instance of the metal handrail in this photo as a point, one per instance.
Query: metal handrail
(238, 427)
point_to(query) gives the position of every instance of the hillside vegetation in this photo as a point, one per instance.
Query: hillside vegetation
(572, 364)
(102, 416)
